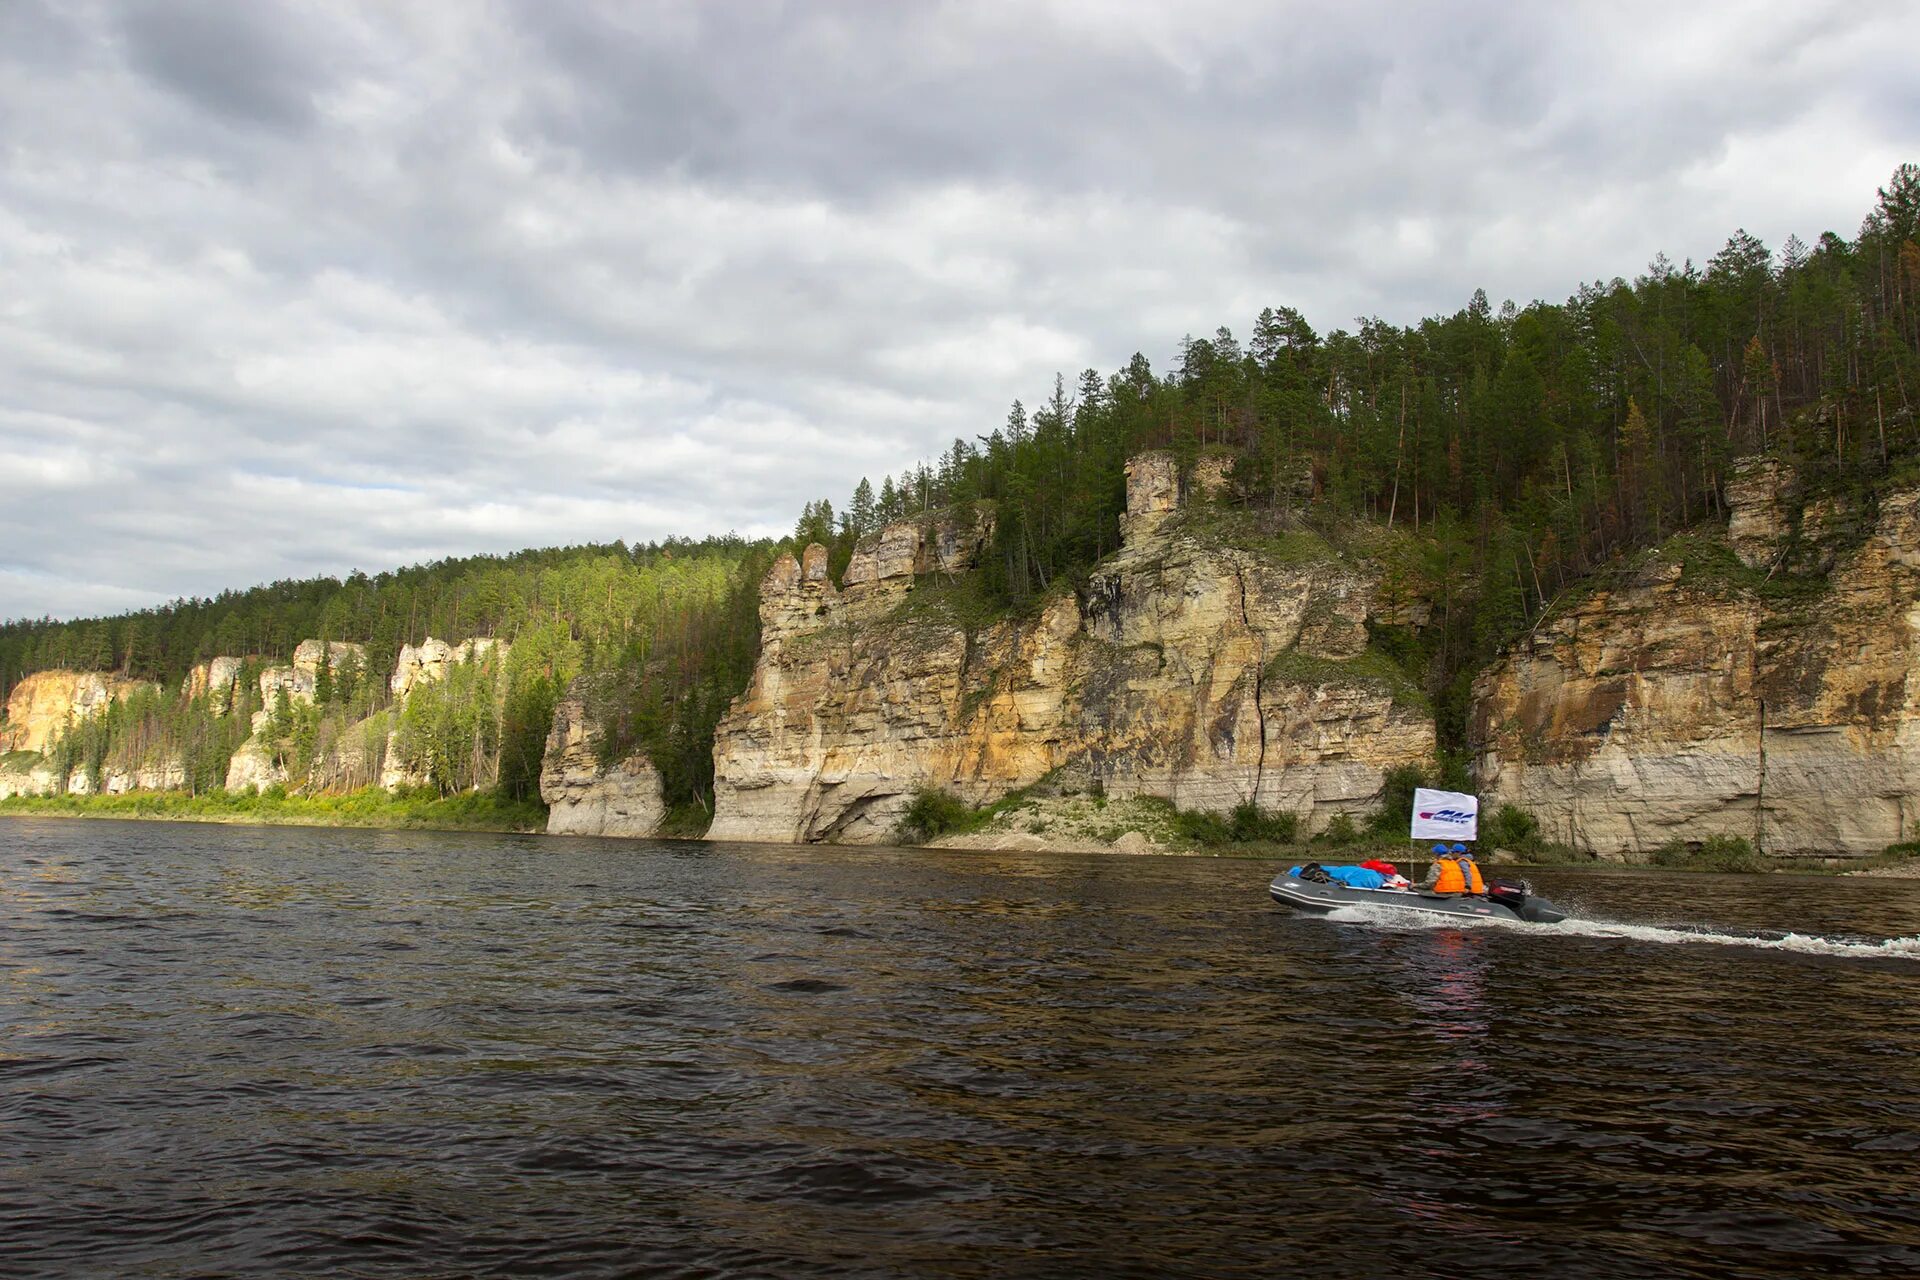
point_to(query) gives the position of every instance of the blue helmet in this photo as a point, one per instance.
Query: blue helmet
(1459, 848)
(1440, 848)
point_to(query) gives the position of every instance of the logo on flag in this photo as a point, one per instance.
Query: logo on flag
(1445, 815)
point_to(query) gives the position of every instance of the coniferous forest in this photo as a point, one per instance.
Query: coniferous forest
(676, 621)
(1518, 448)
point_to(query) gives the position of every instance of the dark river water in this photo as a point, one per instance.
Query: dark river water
(247, 1051)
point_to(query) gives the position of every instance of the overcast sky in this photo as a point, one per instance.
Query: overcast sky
(295, 288)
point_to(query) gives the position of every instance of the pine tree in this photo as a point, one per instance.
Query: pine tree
(860, 512)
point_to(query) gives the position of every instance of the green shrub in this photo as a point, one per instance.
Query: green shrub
(1202, 827)
(1247, 824)
(367, 807)
(1395, 815)
(936, 813)
(1251, 824)
(1511, 828)
(685, 822)
(1340, 832)
(1716, 853)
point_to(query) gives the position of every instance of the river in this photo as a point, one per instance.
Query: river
(231, 1050)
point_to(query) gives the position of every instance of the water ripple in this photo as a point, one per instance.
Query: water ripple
(235, 1051)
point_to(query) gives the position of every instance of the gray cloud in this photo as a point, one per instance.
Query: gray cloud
(294, 288)
(243, 63)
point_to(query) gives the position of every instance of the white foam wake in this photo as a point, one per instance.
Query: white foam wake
(1806, 944)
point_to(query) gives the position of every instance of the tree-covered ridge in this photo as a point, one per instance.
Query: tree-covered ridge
(601, 592)
(1522, 446)
(665, 621)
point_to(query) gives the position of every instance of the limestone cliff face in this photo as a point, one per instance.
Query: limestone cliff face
(34, 777)
(42, 705)
(582, 798)
(1682, 704)
(343, 761)
(252, 765)
(302, 676)
(428, 662)
(424, 664)
(1204, 667)
(214, 680)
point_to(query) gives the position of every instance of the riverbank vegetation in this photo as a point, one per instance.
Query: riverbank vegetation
(365, 807)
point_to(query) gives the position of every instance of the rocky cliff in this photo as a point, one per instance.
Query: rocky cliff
(418, 665)
(585, 799)
(254, 763)
(1764, 684)
(429, 661)
(42, 705)
(214, 680)
(1212, 662)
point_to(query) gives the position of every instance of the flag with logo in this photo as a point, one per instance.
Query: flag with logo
(1445, 815)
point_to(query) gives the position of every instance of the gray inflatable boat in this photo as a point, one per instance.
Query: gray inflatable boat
(1504, 900)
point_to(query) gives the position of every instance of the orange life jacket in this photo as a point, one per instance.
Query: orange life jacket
(1459, 874)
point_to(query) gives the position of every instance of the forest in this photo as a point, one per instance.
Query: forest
(644, 620)
(1518, 448)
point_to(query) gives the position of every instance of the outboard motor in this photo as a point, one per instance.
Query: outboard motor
(1518, 897)
(1512, 894)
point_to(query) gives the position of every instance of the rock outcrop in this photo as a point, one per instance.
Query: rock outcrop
(44, 704)
(1695, 697)
(418, 665)
(1202, 668)
(161, 775)
(34, 776)
(252, 764)
(301, 677)
(214, 680)
(428, 662)
(584, 799)
(1759, 498)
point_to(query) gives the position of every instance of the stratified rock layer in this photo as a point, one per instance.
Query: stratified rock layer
(1201, 671)
(1681, 704)
(582, 798)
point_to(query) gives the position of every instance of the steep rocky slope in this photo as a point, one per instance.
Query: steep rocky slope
(42, 705)
(1764, 684)
(1209, 665)
(582, 797)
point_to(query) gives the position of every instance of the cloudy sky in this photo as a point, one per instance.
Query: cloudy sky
(291, 288)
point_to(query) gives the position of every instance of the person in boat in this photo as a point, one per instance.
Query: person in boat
(1453, 871)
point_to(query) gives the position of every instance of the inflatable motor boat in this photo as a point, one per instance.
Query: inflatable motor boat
(1504, 900)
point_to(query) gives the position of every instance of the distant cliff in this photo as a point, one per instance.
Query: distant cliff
(1763, 682)
(45, 736)
(1209, 663)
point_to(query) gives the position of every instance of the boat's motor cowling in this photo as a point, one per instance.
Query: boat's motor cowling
(1512, 894)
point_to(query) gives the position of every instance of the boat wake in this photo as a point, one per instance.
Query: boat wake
(1804, 944)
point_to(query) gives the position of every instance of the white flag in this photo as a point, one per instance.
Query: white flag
(1445, 815)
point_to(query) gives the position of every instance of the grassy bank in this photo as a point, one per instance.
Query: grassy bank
(367, 807)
